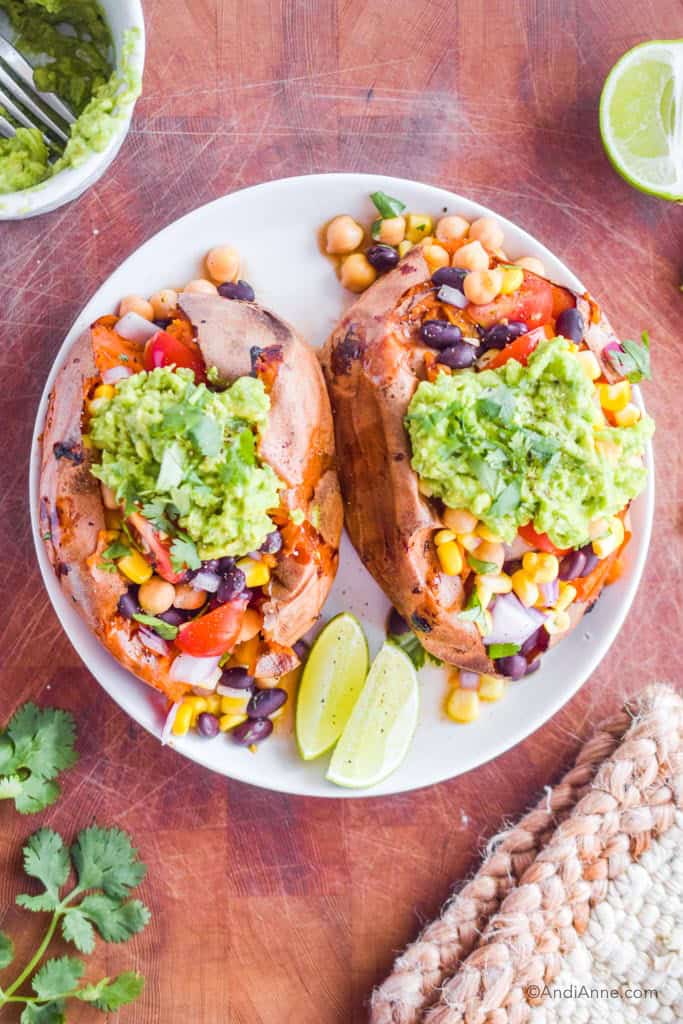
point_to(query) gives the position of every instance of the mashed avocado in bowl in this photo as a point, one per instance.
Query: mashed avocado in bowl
(72, 48)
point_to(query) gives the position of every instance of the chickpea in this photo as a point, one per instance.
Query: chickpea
(201, 287)
(164, 303)
(392, 230)
(223, 263)
(482, 286)
(487, 231)
(251, 624)
(187, 598)
(452, 228)
(436, 256)
(357, 273)
(488, 551)
(136, 304)
(471, 256)
(344, 235)
(156, 596)
(532, 264)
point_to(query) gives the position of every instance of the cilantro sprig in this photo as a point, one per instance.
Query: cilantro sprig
(36, 746)
(632, 360)
(386, 205)
(106, 869)
(410, 645)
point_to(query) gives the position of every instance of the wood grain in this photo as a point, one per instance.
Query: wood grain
(270, 908)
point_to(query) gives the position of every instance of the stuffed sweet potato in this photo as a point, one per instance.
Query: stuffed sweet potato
(488, 452)
(189, 499)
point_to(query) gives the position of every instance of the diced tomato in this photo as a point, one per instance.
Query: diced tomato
(532, 304)
(163, 349)
(156, 551)
(521, 348)
(562, 299)
(540, 541)
(110, 349)
(588, 587)
(214, 633)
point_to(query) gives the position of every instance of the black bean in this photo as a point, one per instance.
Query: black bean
(237, 290)
(439, 333)
(163, 323)
(225, 564)
(570, 324)
(128, 603)
(207, 725)
(266, 702)
(272, 543)
(382, 257)
(238, 678)
(458, 357)
(301, 649)
(501, 335)
(451, 276)
(174, 616)
(252, 731)
(397, 624)
(512, 565)
(572, 565)
(514, 666)
(538, 641)
(231, 586)
(591, 559)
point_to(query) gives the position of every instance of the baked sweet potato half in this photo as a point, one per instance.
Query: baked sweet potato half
(189, 500)
(453, 478)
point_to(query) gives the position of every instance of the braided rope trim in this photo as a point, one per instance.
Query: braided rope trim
(414, 985)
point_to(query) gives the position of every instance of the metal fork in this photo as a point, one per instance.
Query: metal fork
(28, 107)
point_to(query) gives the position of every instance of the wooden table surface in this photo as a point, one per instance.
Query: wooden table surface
(268, 908)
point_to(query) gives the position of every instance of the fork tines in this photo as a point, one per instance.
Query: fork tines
(25, 105)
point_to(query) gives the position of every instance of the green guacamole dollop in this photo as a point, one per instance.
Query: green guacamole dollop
(80, 72)
(191, 455)
(526, 444)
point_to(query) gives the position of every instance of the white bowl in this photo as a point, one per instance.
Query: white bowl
(71, 183)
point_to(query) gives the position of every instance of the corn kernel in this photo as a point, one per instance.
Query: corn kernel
(540, 567)
(589, 364)
(436, 257)
(213, 703)
(459, 520)
(418, 227)
(469, 541)
(613, 539)
(627, 416)
(513, 278)
(525, 589)
(567, 595)
(484, 593)
(615, 397)
(256, 573)
(197, 705)
(235, 705)
(491, 688)
(135, 567)
(404, 247)
(227, 722)
(558, 623)
(463, 706)
(443, 537)
(450, 558)
(183, 720)
(500, 584)
(486, 533)
(104, 391)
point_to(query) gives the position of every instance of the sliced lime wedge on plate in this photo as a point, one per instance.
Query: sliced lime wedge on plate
(330, 685)
(641, 117)
(379, 732)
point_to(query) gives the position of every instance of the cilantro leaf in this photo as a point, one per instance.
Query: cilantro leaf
(386, 205)
(155, 512)
(119, 992)
(539, 445)
(117, 549)
(77, 929)
(45, 858)
(473, 611)
(485, 473)
(11, 787)
(37, 745)
(632, 360)
(172, 468)
(115, 921)
(48, 1013)
(497, 404)
(502, 650)
(507, 501)
(207, 434)
(410, 645)
(36, 794)
(105, 859)
(481, 568)
(164, 629)
(184, 555)
(57, 977)
(6, 951)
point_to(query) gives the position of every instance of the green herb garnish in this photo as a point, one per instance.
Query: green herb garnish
(507, 501)
(473, 611)
(482, 568)
(632, 360)
(184, 554)
(36, 746)
(410, 645)
(164, 629)
(502, 650)
(117, 549)
(386, 205)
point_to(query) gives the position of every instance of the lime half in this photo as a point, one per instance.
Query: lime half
(380, 729)
(330, 685)
(641, 117)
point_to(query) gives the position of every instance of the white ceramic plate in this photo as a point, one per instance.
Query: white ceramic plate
(275, 227)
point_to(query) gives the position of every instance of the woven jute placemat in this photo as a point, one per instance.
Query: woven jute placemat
(576, 913)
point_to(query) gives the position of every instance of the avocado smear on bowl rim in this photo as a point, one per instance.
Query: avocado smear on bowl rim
(526, 444)
(178, 449)
(80, 72)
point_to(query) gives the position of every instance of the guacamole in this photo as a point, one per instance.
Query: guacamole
(526, 444)
(187, 457)
(79, 71)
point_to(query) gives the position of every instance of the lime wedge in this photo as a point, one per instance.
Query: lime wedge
(641, 117)
(330, 685)
(379, 732)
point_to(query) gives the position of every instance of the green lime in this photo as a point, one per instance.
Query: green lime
(379, 732)
(641, 117)
(330, 685)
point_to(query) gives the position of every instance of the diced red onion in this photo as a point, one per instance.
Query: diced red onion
(452, 296)
(206, 580)
(550, 592)
(195, 671)
(512, 622)
(116, 373)
(134, 327)
(152, 641)
(612, 346)
(516, 548)
(168, 724)
(469, 680)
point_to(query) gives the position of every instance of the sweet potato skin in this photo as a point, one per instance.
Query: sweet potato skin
(372, 371)
(299, 447)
